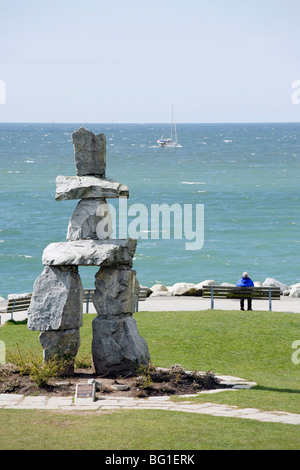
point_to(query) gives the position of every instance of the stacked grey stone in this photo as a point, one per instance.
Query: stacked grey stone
(57, 300)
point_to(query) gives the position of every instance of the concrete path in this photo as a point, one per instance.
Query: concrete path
(20, 402)
(185, 303)
(193, 304)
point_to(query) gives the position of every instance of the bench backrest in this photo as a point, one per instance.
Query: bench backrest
(18, 305)
(143, 293)
(88, 294)
(22, 304)
(228, 292)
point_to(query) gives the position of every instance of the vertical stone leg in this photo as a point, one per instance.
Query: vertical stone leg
(56, 310)
(117, 347)
(116, 292)
(61, 345)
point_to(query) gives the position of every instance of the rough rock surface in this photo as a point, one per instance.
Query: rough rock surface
(90, 253)
(294, 291)
(159, 288)
(271, 282)
(87, 216)
(116, 292)
(87, 187)
(90, 152)
(181, 288)
(17, 296)
(117, 347)
(161, 293)
(57, 300)
(62, 344)
(196, 290)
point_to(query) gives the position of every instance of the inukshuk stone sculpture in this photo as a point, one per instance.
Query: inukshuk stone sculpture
(57, 300)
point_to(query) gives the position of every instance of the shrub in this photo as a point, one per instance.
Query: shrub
(38, 370)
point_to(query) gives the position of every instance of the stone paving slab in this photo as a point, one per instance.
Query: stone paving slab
(11, 401)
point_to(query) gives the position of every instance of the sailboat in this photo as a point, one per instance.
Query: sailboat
(171, 141)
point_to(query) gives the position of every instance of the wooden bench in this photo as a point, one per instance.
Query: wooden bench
(231, 292)
(88, 297)
(142, 296)
(20, 304)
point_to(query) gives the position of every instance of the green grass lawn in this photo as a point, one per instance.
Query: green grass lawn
(254, 345)
(139, 430)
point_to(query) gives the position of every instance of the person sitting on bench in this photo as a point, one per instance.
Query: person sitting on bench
(245, 281)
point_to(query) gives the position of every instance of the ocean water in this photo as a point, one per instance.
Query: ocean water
(246, 176)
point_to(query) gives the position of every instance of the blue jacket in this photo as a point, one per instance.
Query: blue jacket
(245, 282)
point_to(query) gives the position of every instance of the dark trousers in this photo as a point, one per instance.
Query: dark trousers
(249, 304)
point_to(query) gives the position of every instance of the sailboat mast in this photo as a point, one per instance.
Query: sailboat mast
(172, 124)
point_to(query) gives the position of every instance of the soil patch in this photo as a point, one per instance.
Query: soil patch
(151, 381)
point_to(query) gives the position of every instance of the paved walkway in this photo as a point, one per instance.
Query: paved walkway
(20, 402)
(185, 303)
(192, 304)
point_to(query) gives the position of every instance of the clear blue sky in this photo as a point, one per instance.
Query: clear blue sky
(129, 60)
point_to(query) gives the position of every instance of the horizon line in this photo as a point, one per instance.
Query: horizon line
(149, 123)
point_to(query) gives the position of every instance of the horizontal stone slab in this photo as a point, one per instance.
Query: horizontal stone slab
(88, 187)
(90, 253)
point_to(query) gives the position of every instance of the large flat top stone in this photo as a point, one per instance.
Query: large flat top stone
(90, 253)
(87, 187)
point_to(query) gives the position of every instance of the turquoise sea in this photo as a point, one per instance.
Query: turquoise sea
(246, 176)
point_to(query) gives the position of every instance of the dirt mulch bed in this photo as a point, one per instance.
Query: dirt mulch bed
(154, 381)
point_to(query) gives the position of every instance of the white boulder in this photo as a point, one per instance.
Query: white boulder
(182, 288)
(157, 287)
(295, 290)
(271, 282)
